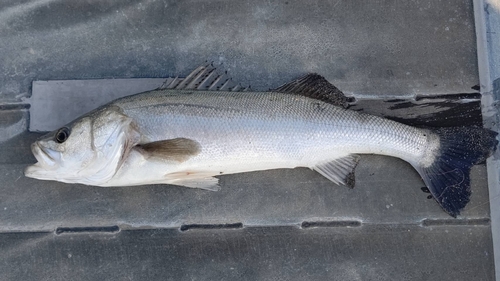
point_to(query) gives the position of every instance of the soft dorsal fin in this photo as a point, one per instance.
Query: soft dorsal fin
(315, 86)
(207, 78)
(179, 149)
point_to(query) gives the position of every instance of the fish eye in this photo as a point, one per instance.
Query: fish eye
(62, 135)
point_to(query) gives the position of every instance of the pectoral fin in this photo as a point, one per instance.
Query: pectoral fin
(179, 149)
(340, 171)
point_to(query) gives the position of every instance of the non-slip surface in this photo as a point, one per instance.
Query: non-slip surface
(271, 225)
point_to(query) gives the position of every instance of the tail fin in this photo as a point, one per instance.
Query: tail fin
(448, 177)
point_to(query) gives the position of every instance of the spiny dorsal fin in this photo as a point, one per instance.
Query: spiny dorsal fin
(340, 171)
(179, 149)
(315, 86)
(205, 77)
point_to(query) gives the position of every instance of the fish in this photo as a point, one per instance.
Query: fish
(189, 131)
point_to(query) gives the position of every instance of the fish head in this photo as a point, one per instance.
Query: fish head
(89, 150)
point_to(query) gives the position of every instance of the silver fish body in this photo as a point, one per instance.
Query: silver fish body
(247, 131)
(185, 135)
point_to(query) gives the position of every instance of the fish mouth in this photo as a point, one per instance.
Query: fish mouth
(42, 169)
(42, 155)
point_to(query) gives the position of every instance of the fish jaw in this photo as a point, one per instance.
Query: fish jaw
(46, 165)
(39, 172)
(36, 171)
(46, 168)
(45, 157)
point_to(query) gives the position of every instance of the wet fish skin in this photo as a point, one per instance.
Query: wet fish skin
(240, 132)
(188, 136)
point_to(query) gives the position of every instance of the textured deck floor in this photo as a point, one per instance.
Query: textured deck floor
(274, 225)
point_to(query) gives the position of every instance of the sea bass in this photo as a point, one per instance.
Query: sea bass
(184, 134)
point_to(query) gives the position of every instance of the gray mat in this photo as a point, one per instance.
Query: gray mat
(275, 225)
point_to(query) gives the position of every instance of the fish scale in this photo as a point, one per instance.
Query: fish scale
(262, 126)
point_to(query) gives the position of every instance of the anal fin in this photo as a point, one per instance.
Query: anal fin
(340, 170)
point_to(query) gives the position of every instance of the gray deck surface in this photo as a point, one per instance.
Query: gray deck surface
(487, 15)
(270, 225)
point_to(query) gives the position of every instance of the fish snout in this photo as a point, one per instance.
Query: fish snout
(44, 156)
